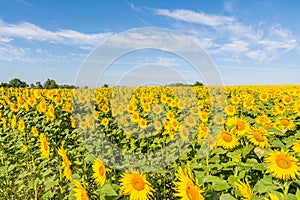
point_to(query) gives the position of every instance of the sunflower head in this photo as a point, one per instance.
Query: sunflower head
(282, 165)
(185, 187)
(136, 185)
(99, 172)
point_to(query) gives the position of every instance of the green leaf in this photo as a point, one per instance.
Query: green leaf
(246, 150)
(276, 131)
(298, 194)
(11, 167)
(277, 143)
(108, 190)
(89, 158)
(49, 183)
(291, 197)
(227, 197)
(48, 195)
(265, 185)
(218, 183)
(260, 152)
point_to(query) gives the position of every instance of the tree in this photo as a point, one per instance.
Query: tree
(198, 83)
(50, 84)
(4, 85)
(105, 85)
(17, 83)
(38, 85)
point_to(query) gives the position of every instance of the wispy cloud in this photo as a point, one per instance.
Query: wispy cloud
(10, 53)
(195, 17)
(29, 31)
(227, 35)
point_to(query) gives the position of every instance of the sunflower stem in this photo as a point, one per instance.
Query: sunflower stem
(286, 188)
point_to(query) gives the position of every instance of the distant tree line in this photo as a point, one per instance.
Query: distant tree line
(183, 84)
(49, 84)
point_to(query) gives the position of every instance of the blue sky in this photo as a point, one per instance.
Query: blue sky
(250, 42)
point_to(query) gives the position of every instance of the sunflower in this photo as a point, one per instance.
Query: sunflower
(245, 189)
(202, 131)
(296, 146)
(104, 121)
(44, 146)
(24, 149)
(190, 121)
(66, 163)
(274, 197)
(185, 187)
(14, 107)
(203, 116)
(286, 99)
(258, 138)
(282, 165)
(230, 110)
(284, 123)
(99, 172)
(238, 125)
(227, 140)
(174, 124)
(219, 119)
(80, 191)
(142, 123)
(146, 107)
(136, 185)
(170, 115)
(157, 125)
(184, 133)
(235, 100)
(14, 121)
(34, 131)
(134, 117)
(21, 125)
(157, 109)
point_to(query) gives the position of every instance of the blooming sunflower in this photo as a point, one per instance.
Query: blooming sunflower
(202, 131)
(245, 189)
(227, 140)
(284, 123)
(66, 163)
(184, 133)
(282, 165)
(157, 109)
(21, 125)
(185, 187)
(296, 146)
(24, 149)
(258, 137)
(274, 197)
(190, 121)
(99, 172)
(136, 185)
(230, 110)
(142, 123)
(80, 191)
(237, 125)
(44, 146)
(34, 131)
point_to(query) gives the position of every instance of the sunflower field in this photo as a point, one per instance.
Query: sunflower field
(190, 143)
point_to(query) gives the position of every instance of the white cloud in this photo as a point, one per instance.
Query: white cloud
(167, 61)
(236, 46)
(195, 17)
(10, 53)
(29, 31)
(226, 35)
(5, 39)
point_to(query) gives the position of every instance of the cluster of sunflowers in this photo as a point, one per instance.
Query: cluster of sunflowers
(144, 143)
